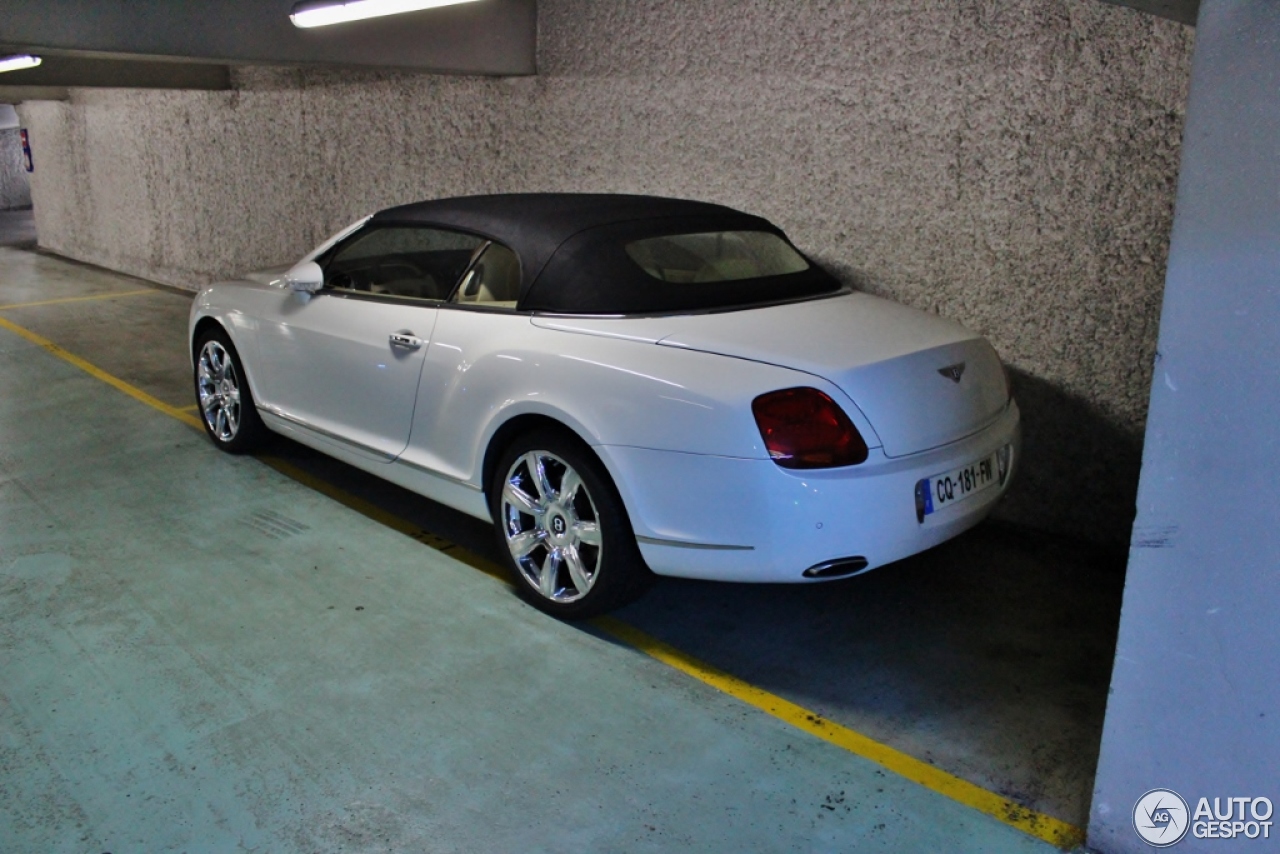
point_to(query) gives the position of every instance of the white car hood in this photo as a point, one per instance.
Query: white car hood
(887, 357)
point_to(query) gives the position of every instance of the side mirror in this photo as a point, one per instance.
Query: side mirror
(306, 277)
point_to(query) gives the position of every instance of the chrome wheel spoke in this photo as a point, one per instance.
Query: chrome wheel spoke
(550, 571)
(577, 571)
(521, 500)
(588, 533)
(569, 486)
(524, 542)
(538, 470)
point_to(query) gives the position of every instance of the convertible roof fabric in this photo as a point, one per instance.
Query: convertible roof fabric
(572, 255)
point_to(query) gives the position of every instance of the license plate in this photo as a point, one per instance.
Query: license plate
(945, 489)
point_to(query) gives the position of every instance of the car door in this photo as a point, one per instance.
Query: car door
(345, 361)
(474, 353)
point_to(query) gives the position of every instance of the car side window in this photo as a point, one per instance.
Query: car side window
(716, 256)
(494, 279)
(401, 261)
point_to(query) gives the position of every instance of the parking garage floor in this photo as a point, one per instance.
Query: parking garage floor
(200, 652)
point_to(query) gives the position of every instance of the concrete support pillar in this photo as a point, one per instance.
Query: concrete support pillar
(15, 187)
(1195, 702)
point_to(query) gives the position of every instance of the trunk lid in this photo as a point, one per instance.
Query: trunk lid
(892, 360)
(920, 380)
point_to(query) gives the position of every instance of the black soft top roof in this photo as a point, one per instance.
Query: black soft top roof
(572, 259)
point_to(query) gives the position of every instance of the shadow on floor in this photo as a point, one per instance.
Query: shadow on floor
(989, 656)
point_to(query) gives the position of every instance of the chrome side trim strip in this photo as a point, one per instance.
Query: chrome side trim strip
(390, 458)
(454, 480)
(679, 544)
(278, 413)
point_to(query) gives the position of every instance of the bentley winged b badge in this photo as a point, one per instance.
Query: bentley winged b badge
(953, 372)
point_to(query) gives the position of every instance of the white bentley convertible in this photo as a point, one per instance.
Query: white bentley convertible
(623, 385)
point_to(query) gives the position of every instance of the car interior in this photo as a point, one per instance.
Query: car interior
(721, 256)
(421, 263)
(493, 280)
(419, 275)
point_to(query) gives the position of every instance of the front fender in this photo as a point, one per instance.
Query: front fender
(223, 303)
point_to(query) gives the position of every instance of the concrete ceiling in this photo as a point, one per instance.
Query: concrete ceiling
(167, 44)
(162, 44)
(59, 71)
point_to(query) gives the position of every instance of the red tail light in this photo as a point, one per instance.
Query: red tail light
(805, 429)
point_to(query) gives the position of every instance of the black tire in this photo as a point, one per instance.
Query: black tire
(223, 397)
(612, 568)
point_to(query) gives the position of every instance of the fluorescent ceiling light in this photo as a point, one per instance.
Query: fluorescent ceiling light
(325, 12)
(17, 63)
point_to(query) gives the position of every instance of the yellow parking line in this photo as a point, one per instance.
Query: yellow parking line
(1036, 824)
(98, 373)
(61, 300)
(1039, 825)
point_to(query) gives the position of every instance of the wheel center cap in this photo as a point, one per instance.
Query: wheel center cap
(558, 526)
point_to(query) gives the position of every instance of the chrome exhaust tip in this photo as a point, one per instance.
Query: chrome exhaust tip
(838, 568)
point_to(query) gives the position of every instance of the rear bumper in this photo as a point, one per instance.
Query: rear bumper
(730, 519)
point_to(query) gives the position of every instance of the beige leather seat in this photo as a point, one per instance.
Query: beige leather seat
(495, 279)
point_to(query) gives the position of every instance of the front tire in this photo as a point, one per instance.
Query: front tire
(563, 528)
(223, 396)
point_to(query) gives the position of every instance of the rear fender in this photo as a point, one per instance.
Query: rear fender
(485, 370)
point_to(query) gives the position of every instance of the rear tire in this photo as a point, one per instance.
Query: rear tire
(563, 528)
(223, 396)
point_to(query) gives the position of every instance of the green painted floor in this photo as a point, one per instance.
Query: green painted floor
(200, 654)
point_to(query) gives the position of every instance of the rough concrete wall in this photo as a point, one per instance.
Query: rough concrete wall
(1009, 163)
(15, 188)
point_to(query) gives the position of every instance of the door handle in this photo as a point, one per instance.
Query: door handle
(408, 341)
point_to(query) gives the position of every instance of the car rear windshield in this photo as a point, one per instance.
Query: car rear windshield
(675, 264)
(716, 256)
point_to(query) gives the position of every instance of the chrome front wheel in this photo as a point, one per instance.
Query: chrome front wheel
(218, 391)
(223, 396)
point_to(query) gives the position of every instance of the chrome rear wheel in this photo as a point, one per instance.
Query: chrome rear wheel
(551, 526)
(566, 533)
